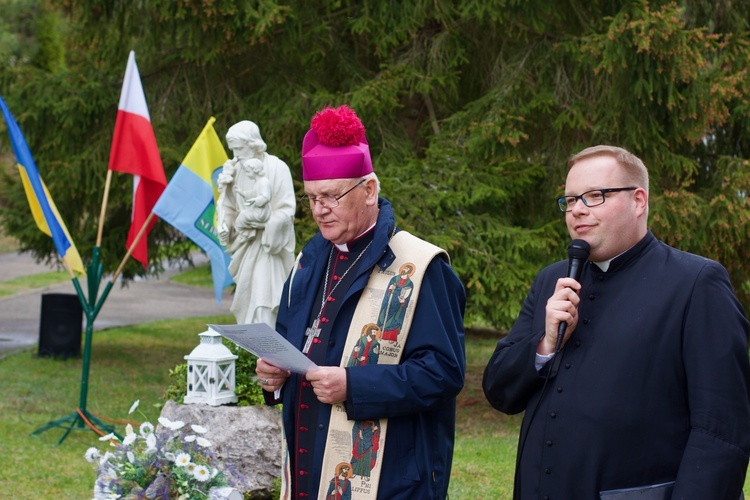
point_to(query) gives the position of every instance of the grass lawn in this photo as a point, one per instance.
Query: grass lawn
(32, 282)
(130, 363)
(127, 363)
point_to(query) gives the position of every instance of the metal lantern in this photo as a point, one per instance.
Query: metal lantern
(211, 373)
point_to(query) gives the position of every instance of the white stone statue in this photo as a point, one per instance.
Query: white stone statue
(255, 216)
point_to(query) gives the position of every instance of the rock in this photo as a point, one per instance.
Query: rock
(247, 439)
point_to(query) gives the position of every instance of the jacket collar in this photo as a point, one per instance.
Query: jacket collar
(625, 259)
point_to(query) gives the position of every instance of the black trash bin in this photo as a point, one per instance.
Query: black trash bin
(60, 326)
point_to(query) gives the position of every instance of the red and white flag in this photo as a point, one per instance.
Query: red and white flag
(134, 151)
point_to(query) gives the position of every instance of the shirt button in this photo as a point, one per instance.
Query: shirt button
(553, 415)
(591, 296)
(559, 389)
(331, 343)
(578, 343)
(549, 443)
(585, 322)
(567, 366)
(321, 427)
(548, 471)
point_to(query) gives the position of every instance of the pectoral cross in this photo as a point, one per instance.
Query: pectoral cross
(311, 333)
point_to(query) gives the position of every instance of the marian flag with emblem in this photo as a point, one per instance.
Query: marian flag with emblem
(189, 202)
(42, 207)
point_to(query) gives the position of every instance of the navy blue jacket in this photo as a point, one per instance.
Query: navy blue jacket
(653, 385)
(418, 396)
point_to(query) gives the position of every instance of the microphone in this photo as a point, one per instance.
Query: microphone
(578, 254)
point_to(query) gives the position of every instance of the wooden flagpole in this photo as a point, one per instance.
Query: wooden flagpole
(132, 245)
(104, 208)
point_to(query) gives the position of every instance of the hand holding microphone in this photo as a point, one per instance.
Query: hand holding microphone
(564, 302)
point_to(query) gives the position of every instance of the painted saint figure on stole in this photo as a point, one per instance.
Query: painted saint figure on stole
(365, 446)
(340, 488)
(395, 302)
(367, 349)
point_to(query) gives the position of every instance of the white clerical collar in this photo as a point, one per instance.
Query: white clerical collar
(344, 247)
(603, 265)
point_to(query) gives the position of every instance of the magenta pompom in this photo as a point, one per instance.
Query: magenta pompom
(338, 127)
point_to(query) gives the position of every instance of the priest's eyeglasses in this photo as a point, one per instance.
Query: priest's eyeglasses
(328, 201)
(591, 198)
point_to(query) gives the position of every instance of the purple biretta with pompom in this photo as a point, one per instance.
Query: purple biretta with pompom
(335, 147)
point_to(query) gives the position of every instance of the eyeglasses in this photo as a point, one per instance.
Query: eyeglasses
(591, 198)
(328, 201)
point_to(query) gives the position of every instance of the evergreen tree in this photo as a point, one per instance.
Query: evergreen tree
(472, 108)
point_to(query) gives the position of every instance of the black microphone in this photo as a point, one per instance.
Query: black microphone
(578, 253)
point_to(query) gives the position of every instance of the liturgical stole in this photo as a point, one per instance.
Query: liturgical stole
(354, 449)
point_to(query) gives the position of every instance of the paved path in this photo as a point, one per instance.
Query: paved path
(142, 301)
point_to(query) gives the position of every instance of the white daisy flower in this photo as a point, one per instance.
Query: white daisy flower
(198, 428)
(203, 442)
(151, 442)
(174, 426)
(169, 456)
(146, 428)
(108, 437)
(214, 472)
(92, 454)
(190, 438)
(129, 439)
(135, 405)
(182, 459)
(201, 473)
(105, 458)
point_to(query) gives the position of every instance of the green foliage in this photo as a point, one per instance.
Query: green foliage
(248, 390)
(472, 108)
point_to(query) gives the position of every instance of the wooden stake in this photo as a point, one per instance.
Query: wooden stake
(132, 245)
(104, 208)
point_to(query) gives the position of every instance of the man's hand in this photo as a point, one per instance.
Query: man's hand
(562, 306)
(270, 378)
(329, 384)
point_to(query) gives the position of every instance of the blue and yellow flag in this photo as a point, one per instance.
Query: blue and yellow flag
(43, 209)
(189, 202)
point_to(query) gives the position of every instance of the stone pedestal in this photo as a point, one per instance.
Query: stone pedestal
(247, 439)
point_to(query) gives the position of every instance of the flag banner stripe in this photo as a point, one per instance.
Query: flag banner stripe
(133, 98)
(147, 192)
(42, 207)
(134, 149)
(207, 153)
(188, 205)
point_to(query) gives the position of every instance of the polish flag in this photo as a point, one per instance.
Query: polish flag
(134, 151)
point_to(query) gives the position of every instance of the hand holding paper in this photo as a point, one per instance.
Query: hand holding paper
(265, 342)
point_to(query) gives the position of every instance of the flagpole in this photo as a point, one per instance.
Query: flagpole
(104, 208)
(82, 417)
(136, 240)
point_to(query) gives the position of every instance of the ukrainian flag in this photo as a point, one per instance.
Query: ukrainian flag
(43, 209)
(188, 202)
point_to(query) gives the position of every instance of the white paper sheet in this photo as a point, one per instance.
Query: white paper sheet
(265, 342)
